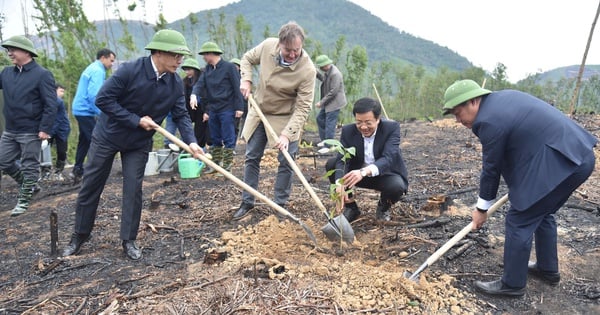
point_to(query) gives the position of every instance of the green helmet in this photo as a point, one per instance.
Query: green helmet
(20, 42)
(210, 47)
(191, 63)
(460, 92)
(169, 41)
(236, 61)
(323, 60)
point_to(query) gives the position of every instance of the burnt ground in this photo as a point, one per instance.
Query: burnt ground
(197, 261)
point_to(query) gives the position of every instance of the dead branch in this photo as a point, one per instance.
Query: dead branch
(154, 290)
(461, 250)
(157, 227)
(36, 306)
(133, 279)
(81, 306)
(431, 223)
(580, 207)
(51, 267)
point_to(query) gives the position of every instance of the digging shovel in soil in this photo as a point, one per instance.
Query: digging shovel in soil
(239, 182)
(336, 228)
(462, 233)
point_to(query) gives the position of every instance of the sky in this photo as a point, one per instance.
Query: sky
(527, 36)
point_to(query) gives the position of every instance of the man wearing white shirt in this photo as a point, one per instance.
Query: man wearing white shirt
(378, 162)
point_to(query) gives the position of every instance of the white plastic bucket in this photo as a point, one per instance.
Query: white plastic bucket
(151, 165)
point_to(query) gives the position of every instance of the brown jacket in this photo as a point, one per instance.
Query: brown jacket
(284, 94)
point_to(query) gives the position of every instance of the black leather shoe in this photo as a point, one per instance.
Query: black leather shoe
(75, 244)
(351, 211)
(498, 288)
(552, 278)
(383, 211)
(242, 211)
(131, 250)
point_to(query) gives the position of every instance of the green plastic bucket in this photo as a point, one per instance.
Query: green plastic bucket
(188, 166)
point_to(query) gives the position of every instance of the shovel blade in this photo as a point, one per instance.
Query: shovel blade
(410, 276)
(339, 228)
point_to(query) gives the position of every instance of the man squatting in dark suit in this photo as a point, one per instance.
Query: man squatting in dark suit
(378, 162)
(543, 157)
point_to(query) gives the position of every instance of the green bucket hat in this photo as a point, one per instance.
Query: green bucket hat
(460, 92)
(236, 61)
(323, 60)
(191, 63)
(169, 41)
(210, 47)
(20, 42)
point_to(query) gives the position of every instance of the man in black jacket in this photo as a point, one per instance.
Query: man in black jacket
(29, 111)
(378, 162)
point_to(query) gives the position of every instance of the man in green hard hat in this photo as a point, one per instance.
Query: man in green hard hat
(543, 157)
(134, 101)
(333, 97)
(219, 87)
(29, 110)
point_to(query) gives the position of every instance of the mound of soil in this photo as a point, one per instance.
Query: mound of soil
(198, 261)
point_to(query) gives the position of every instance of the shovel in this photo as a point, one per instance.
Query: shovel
(438, 253)
(238, 182)
(336, 228)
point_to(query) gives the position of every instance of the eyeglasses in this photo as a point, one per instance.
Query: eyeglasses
(175, 56)
(367, 123)
(10, 49)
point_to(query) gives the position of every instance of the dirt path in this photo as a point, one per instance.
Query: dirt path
(198, 261)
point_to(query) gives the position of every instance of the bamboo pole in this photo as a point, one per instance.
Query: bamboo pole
(582, 66)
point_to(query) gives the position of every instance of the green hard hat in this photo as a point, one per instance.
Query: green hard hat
(323, 60)
(460, 92)
(236, 61)
(210, 47)
(20, 42)
(169, 41)
(191, 63)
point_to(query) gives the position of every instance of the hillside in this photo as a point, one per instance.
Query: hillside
(569, 72)
(323, 23)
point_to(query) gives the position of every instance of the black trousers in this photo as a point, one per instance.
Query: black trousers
(97, 171)
(391, 186)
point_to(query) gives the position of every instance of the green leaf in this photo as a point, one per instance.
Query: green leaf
(413, 303)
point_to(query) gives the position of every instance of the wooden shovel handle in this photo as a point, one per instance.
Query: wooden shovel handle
(449, 244)
(227, 174)
(288, 157)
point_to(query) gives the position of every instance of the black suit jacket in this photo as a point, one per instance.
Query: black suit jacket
(386, 149)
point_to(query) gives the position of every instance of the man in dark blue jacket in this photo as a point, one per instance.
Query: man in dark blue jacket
(133, 101)
(378, 162)
(219, 86)
(29, 111)
(543, 157)
(60, 133)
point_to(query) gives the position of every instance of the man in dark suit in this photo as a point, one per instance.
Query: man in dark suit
(134, 101)
(543, 157)
(378, 162)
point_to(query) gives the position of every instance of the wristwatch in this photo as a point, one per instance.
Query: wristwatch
(363, 172)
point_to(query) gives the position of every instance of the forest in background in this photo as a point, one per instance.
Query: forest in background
(410, 80)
